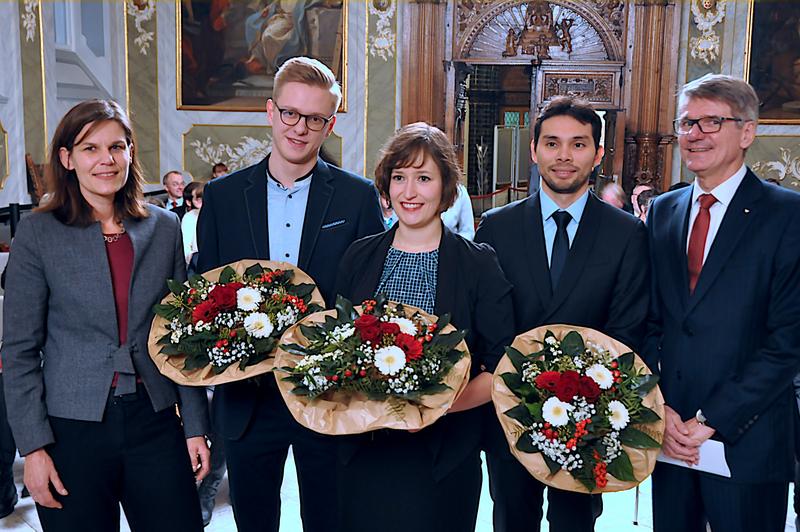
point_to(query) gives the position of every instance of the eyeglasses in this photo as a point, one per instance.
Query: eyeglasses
(707, 124)
(313, 122)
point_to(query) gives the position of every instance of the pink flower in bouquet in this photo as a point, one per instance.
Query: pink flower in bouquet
(410, 346)
(568, 385)
(224, 295)
(548, 380)
(368, 328)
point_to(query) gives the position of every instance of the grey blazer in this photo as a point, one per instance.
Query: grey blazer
(60, 325)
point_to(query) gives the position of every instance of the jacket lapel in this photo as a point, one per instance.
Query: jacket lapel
(738, 216)
(446, 282)
(373, 269)
(579, 253)
(90, 251)
(319, 199)
(255, 202)
(678, 229)
(535, 249)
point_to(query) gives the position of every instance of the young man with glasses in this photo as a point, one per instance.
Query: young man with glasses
(291, 207)
(723, 326)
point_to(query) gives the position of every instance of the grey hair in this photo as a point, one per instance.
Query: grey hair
(737, 93)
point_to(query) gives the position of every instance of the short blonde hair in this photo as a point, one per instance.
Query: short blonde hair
(309, 72)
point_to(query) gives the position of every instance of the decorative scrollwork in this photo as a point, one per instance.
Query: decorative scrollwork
(382, 44)
(28, 18)
(142, 11)
(707, 14)
(249, 151)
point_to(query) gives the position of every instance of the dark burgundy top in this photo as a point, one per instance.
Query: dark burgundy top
(120, 262)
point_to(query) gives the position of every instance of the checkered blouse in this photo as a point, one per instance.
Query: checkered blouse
(410, 278)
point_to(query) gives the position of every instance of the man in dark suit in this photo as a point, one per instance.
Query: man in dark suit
(574, 260)
(290, 207)
(723, 328)
(174, 184)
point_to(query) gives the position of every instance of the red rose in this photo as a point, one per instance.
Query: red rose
(205, 312)
(389, 328)
(548, 380)
(224, 295)
(410, 346)
(568, 385)
(589, 389)
(368, 328)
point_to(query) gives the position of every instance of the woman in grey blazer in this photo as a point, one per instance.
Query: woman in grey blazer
(94, 419)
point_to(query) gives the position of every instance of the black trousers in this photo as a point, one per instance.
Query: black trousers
(684, 501)
(256, 462)
(8, 451)
(388, 486)
(135, 457)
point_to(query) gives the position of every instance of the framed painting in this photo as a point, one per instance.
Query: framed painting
(229, 50)
(772, 65)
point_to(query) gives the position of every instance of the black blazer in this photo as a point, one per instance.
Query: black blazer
(472, 288)
(605, 281)
(342, 207)
(733, 347)
(180, 210)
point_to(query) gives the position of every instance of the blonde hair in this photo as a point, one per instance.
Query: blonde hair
(309, 72)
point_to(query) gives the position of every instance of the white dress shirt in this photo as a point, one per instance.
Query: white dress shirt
(459, 218)
(724, 193)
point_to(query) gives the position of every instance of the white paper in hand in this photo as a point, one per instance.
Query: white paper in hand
(712, 459)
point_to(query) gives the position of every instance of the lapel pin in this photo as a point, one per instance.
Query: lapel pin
(747, 211)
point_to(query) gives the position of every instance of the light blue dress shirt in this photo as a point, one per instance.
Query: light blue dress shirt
(548, 208)
(286, 212)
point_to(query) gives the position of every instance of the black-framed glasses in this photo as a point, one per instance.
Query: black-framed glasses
(707, 124)
(291, 117)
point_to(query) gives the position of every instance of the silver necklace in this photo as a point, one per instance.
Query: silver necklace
(110, 239)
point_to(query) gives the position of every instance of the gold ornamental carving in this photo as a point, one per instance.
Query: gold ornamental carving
(539, 33)
(596, 88)
(707, 14)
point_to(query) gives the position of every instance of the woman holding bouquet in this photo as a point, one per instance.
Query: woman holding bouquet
(90, 413)
(428, 480)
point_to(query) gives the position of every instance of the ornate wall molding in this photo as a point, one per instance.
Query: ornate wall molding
(33, 84)
(142, 12)
(382, 42)
(486, 28)
(381, 78)
(706, 14)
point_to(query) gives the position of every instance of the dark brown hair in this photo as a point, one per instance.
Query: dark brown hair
(410, 146)
(580, 110)
(190, 188)
(64, 198)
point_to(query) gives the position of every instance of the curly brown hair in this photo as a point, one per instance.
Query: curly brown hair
(410, 146)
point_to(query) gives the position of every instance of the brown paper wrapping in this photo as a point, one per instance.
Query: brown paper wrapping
(172, 366)
(643, 460)
(339, 413)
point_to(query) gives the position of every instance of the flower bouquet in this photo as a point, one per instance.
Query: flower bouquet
(224, 325)
(380, 365)
(580, 411)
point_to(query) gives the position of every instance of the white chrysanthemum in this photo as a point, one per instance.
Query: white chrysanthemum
(556, 412)
(389, 360)
(601, 375)
(248, 298)
(406, 325)
(618, 415)
(258, 325)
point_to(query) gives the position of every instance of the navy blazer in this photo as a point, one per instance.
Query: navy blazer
(471, 287)
(732, 347)
(604, 284)
(341, 208)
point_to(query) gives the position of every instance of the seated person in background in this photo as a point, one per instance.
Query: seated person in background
(174, 184)
(219, 170)
(643, 201)
(613, 194)
(192, 201)
(638, 189)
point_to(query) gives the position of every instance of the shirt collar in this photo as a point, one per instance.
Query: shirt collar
(724, 191)
(549, 206)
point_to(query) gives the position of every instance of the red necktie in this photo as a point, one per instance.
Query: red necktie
(697, 240)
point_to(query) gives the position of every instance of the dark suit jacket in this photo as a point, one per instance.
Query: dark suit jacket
(733, 347)
(471, 287)
(342, 207)
(604, 284)
(60, 323)
(180, 210)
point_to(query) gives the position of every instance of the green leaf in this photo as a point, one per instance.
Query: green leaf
(195, 362)
(645, 415)
(625, 361)
(552, 465)
(254, 271)
(535, 410)
(344, 309)
(525, 444)
(637, 439)
(645, 383)
(442, 322)
(572, 344)
(175, 287)
(449, 340)
(621, 468)
(516, 358)
(311, 332)
(302, 290)
(513, 381)
(520, 413)
(227, 275)
(171, 350)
